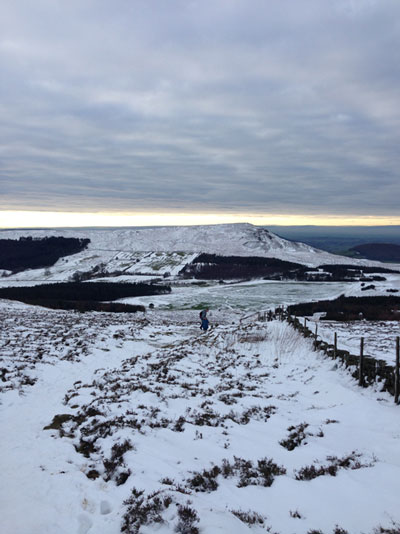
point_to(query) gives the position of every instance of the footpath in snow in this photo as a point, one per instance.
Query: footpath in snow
(121, 423)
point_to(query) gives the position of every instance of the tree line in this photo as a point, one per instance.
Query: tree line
(215, 267)
(380, 308)
(100, 291)
(33, 253)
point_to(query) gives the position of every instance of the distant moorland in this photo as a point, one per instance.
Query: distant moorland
(340, 239)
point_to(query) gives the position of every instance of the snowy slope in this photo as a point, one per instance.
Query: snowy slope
(188, 427)
(159, 250)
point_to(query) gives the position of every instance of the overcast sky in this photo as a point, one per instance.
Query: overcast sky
(264, 106)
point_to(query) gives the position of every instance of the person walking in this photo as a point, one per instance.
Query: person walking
(204, 319)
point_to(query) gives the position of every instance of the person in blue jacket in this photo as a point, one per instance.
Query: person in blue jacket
(204, 319)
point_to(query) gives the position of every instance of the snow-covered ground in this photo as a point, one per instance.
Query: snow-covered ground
(142, 424)
(162, 428)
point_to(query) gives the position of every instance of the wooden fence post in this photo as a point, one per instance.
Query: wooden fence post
(361, 367)
(305, 322)
(335, 346)
(315, 336)
(396, 372)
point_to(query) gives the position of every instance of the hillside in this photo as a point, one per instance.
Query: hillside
(144, 425)
(166, 250)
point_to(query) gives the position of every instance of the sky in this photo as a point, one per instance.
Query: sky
(148, 112)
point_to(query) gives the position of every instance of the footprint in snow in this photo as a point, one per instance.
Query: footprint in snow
(105, 508)
(85, 524)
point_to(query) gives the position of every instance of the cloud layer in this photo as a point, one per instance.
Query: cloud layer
(227, 105)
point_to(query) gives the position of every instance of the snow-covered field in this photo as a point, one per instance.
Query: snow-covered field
(145, 424)
(248, 296)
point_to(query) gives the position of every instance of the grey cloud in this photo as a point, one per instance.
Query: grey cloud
(263, 106)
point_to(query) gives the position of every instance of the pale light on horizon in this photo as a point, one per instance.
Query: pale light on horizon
(43, 219)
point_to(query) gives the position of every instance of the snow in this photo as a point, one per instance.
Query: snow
(158, 368)
(161, 250)
(390, 286)
(103, 414)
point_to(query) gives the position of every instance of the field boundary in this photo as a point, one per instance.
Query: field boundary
(364, 368)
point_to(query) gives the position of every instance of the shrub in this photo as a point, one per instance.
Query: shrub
(187, 519)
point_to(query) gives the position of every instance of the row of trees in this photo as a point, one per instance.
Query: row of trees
(84, 296)
(380, 308)
(214, 267)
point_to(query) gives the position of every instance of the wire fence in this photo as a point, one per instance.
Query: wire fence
(366, 369)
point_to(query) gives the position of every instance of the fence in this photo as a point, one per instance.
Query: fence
(366, 369)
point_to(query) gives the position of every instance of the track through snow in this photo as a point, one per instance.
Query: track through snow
(196, 432)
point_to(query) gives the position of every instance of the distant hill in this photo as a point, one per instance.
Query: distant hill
(338, 239)
(240, 239)
(387, 252)
(165, 251)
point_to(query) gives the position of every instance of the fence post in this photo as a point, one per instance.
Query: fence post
(396, 372)
(305, 322)
(361, 368)
(315, 336)
(335, 346)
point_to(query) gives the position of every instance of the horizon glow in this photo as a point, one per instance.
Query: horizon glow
(52, 219)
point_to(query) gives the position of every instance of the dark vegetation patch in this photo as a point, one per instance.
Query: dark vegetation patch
(33, 253)
(341, 270)
(188, 518)
(394, 529)
(147, 510)
(83, 296)
(384, 308)
(352, 461)
(99, 291)
(214, 267)
(97, 271)
(88, 428)
(250, 517)
(262, 473)
(115, 468)
(297, 436)
(87, 305)
(336, 530)
(295, 514)
(58, 421)
(144, 510)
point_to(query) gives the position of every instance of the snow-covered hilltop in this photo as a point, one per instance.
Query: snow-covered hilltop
(241, 239)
